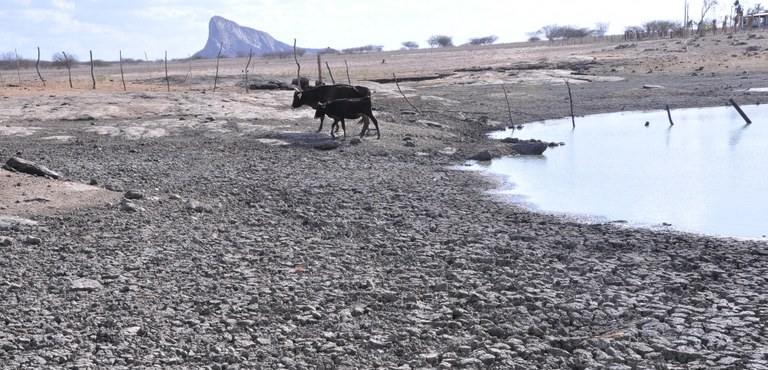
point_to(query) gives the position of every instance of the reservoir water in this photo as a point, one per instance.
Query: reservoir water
(707, 173)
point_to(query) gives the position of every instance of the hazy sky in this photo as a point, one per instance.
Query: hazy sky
(181, 26)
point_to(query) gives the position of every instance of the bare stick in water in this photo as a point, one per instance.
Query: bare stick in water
(570, 99)
(509, 109)
(741, 112)
(669, 115)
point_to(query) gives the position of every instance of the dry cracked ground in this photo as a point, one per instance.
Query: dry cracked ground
(219, 230)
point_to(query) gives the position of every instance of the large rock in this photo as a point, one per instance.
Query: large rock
(25, 166)
(529, 148)
(235, 40)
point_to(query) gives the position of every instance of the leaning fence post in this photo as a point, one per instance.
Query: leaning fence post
(741, 112)
(250, 55)
(404, 97)
(330, 73)
(122, 76)
(37, 67)
(349, 81)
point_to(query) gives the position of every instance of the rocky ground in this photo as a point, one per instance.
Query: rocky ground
(206, 230)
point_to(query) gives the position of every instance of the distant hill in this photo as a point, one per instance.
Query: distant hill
(238, 40)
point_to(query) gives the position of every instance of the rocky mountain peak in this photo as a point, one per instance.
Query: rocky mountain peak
(236, 40)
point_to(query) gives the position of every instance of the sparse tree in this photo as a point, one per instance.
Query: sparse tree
(706, 6)
(64, 60)
(758, 8)
(557, 32)
(661, 28)
(363, 49)
(410, 45)
(601, 28)
(487, 40)
(534, 36)
(440, 41)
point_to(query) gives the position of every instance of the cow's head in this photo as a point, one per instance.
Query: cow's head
(297, 99)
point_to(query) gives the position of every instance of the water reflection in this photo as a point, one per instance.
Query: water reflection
(704, 174)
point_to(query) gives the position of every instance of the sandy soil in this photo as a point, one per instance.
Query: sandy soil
(242, 245)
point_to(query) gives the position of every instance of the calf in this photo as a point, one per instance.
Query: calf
(351, 108)
(326, 94)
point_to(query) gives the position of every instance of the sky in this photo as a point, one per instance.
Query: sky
(180, 27)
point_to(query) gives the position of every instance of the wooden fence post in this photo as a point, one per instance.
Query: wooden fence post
(18, 68)
(250, 55)
(69, 68)
(168, 81)
(330, 73)
(218, 57)
(122, 76)
(37, 67)
(349, 81)
(93, 78)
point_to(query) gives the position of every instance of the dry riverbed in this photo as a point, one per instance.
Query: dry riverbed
(205, 229)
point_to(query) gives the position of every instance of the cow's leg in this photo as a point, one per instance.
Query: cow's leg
(335, 127)
(376, 123)
(321, 123)
(365, 123)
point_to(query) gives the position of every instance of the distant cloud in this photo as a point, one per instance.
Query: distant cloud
(63, 4)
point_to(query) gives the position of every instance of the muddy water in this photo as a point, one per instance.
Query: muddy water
(707, 173)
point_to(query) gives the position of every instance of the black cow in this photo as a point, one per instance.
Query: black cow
(351, 108)
(325, 94)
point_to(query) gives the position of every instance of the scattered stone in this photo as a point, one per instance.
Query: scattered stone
(133, 194)
(85, 285)
(529, 148)
(128, 206)
(31, 168)
(431, 123)
(5, 241)
(33, 240)
(448, 151)
(199, 207)
(327, 145)
(482, 156)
